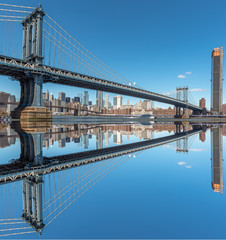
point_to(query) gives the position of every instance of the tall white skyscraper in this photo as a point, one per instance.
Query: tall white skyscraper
(107, 101)
(119, 101)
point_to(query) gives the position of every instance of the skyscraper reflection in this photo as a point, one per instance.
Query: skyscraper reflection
(217, 159)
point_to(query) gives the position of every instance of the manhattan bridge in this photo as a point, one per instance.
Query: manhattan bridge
(51, 54)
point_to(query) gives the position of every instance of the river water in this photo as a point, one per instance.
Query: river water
(112, 181)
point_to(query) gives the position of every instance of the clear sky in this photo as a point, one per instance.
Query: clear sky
(151, 42)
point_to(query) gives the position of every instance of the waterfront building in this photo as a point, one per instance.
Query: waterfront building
(217, 80)
(202, 103)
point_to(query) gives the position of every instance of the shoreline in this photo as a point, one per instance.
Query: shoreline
(117, 119)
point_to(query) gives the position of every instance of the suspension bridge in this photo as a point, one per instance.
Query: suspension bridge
(51, 54)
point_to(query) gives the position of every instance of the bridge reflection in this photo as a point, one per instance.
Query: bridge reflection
(32, 167)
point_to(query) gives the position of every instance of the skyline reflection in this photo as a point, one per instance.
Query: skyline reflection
(45, 194)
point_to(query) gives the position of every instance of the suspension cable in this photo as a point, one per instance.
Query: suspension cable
(11, 234)
(9, 5)
(68, 185)
(12, 10)
(9, 20)
(12, 16)
(76, 192)
(85, 191)
(83, 52)
(11, 223)
(71, 51)
(10, 219)
(86, 176)
(11, 229)
(67, 53)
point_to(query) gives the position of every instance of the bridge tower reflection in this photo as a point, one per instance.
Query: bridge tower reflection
(217, 159)
(32, 202)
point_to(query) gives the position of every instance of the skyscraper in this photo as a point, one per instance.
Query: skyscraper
(107, 101)
(81, 98)
(46, 96)
(117, 102)
(86, 98)
(62, 96)
(51, 97)
(99, 99)
(217, 80)
(76, 99)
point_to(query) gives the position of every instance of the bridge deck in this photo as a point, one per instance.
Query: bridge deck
(19, 69)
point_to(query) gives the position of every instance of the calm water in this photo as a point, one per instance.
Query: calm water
(112, 181)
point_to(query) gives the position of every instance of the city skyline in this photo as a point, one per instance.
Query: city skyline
(106, 106)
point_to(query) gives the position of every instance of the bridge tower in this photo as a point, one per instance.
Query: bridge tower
(182, 145)
(31, 102)
(32, 202)
(182, 95)
(217, 81)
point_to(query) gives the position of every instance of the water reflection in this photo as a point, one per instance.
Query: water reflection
(47, 191)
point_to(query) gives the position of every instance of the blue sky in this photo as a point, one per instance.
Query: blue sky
(150, 42)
